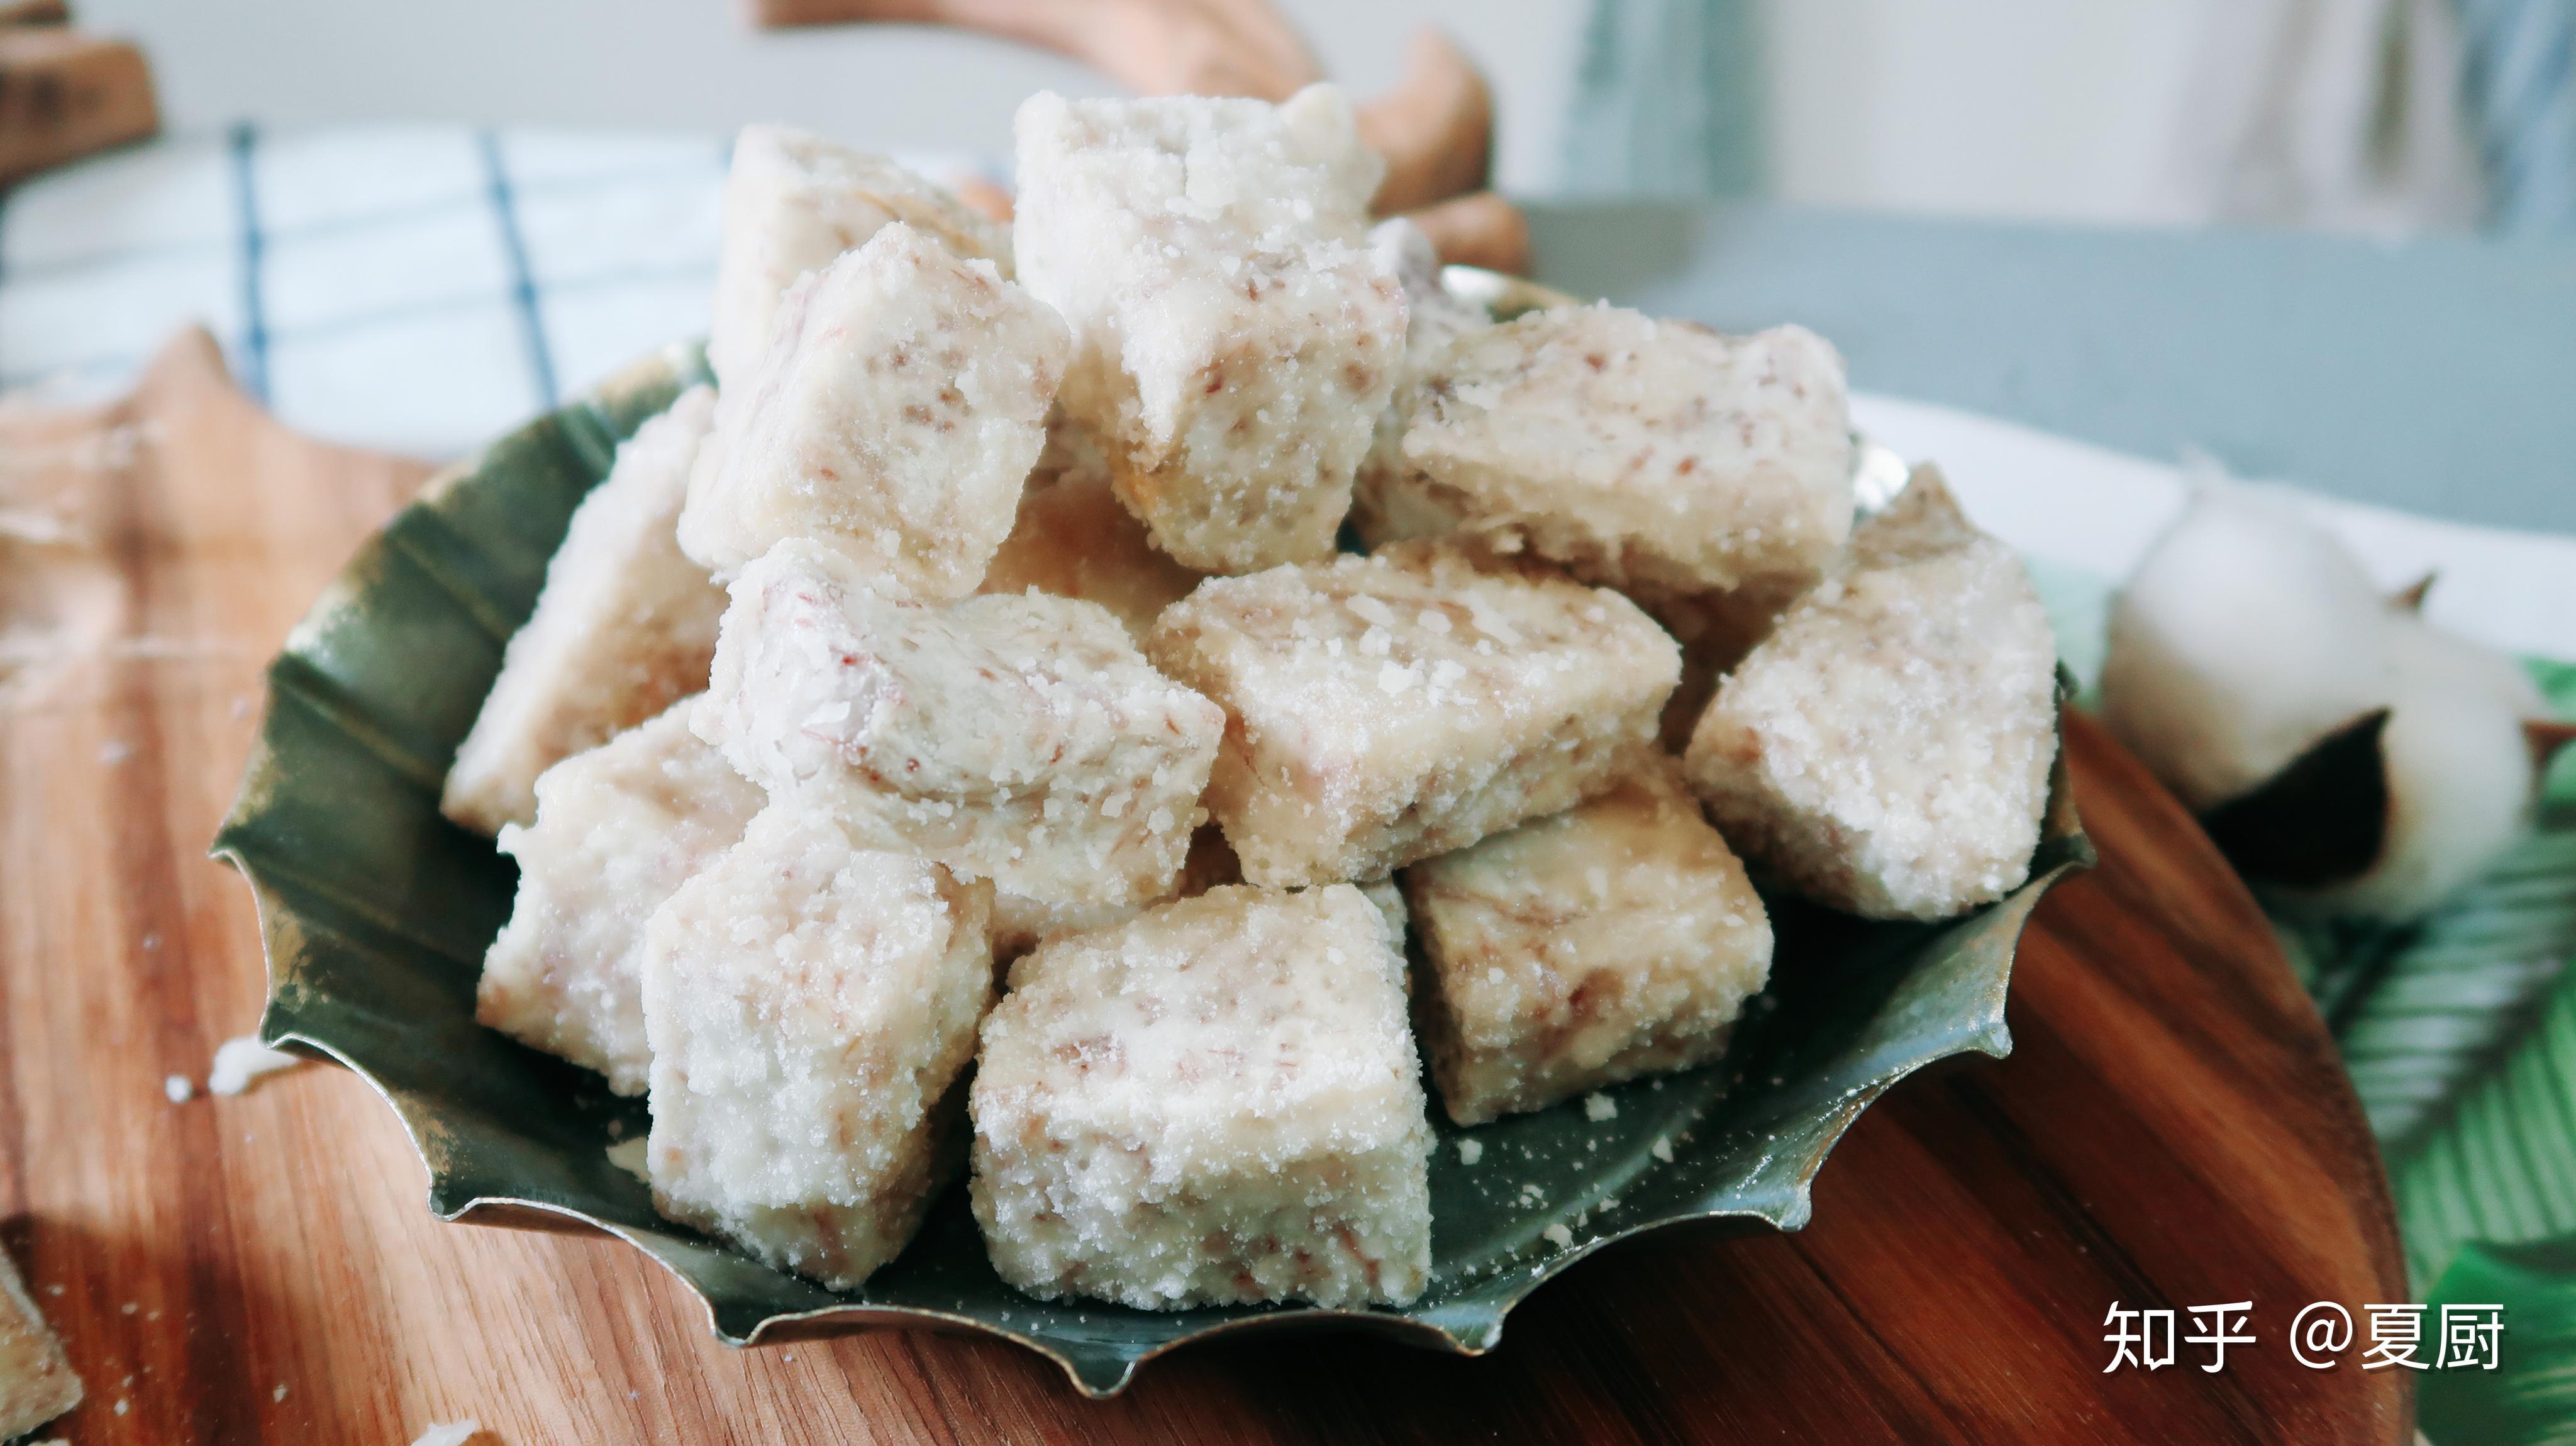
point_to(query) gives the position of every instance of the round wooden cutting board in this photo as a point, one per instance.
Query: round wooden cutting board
(2172, 1129)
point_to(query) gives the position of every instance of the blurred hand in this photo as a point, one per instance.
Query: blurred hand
(1435, 128)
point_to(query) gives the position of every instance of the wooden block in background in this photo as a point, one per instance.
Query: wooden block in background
(64, 94)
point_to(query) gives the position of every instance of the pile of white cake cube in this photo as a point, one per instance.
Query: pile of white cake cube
(971, 677)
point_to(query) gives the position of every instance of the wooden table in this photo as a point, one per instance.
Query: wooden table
(2172, 1129)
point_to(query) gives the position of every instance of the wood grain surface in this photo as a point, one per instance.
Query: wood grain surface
(2172, 1128)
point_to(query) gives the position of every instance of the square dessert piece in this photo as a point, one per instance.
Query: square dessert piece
(1616, 939)
(624, 627)
(1214, 1103)
(1657, 457)
(1018, 737)
(1234, 336)
(37, 1382)
(794, 201)
(1388, 708)
(895, 415)
(1074, 539)
(1886, 750)
(1021, 924)
(618, 829)
(1435, 315)
(810, 1006)
(1436, 318)
(1388, 899)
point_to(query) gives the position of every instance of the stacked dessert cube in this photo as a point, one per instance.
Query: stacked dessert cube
(972, 679)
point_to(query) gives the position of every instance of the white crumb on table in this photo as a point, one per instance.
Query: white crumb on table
(448, 1433)
(1559, 1235)
(1470, 1151)
(239, 1062)
(179, 1088)
(1662, 1149)
(1599, 1107)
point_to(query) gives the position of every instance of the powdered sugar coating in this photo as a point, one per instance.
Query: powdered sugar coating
(1886, 751)
(1234, 336)
(624, 626)
(1657, 457)
(1217, 1102)
(810, 1006)
(897, 411)
(1388, 708)
(618, 830)
(1616, 939)
(1019, 737)
(792, 202)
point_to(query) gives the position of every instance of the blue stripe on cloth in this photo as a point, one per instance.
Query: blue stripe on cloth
(2518, 88)
(1668, 100)
(271, 235)
(254, 347)
(523, 281)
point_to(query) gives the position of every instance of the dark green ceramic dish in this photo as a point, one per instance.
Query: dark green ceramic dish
(376, 913)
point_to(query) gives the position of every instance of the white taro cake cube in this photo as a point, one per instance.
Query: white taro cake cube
(900, 405)
(1387, 708)
(1436, 317)
(1234, 334)
(792, 202)
(619, 829)
(1073, 538)
(1020, 924)
(811, 1006)
(1707, 476)
(1886, 750)
(1216, 1102)
(1018, 737)
(1616, 939)
(624, 626)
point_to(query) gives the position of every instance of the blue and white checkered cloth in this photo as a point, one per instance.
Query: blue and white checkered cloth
(417, 289)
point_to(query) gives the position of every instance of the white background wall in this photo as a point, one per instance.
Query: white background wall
(2054, 108)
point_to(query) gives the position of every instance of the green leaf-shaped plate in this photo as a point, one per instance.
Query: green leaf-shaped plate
(376, 913)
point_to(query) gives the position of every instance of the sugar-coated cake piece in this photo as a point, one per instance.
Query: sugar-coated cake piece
(1074, 539)
(619, 828)
(37, 1382)
(1387, 897)
(1435, 314)
(810, 1006)
(1234, 335)
(1886, 750)
(1436, 318)
(1616, 939)
(1021, 924)
(895, 415)
(1387, 708)
(1657, 457)
(1214, 1103)
(1018, 737)
(792, 202)
(624, 627)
